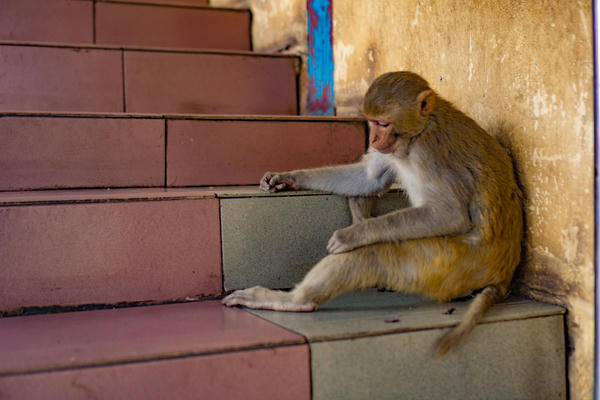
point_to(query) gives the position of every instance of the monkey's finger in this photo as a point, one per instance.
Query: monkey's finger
(333, 247)
(274, 179)
(237, 298)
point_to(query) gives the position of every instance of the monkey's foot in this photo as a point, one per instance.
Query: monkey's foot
(258, 297)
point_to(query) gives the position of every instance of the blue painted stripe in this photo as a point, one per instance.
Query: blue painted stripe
(320, 57)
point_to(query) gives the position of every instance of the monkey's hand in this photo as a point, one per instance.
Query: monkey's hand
(346, 239)
(275, 182)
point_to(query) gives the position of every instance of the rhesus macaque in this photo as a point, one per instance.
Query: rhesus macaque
(462, 232)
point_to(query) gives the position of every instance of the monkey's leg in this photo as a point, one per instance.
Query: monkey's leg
(259, 297)
(360, 208)
(331, 277)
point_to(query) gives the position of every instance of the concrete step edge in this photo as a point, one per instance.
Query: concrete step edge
(87, 46)
(77, 196)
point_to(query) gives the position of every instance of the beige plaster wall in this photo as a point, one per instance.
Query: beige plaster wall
(278, 26)
(524, 71)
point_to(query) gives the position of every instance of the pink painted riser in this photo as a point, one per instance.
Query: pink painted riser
(62, 21)
(239, 152)
(58, 79)
(139, 25)
(109, 252)
(39, 152)
(281, 373)
(209, 84)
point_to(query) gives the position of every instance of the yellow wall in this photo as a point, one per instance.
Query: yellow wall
(524, 71)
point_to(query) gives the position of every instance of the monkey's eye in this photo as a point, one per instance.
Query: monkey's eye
(381, 123)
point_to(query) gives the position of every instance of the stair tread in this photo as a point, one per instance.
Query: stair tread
(74, 339)
(36, 197)
(101, 337)
(369, 313)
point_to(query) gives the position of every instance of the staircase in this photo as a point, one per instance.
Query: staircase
(132, 137)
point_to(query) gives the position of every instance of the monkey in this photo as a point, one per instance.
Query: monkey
(460, 234)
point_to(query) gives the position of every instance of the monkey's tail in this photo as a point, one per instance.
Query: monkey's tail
(480, 304)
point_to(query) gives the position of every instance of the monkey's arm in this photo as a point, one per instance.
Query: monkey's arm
(367, 177)
(409, 223)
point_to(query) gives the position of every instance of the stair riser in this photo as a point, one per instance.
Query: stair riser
(71, 254)
(77, 21)
(43, 20)
(274, 242)
(139, 25)
(240, 152)
(278, 373)
(105, 80)
(521, 359)
(61, 79)
(42, 152)
(209, 83)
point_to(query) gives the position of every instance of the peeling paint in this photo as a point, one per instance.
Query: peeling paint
(570, 242)
(342, 55)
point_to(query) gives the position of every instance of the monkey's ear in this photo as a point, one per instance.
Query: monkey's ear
(426, 102)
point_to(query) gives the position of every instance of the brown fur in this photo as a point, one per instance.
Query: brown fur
(462, 233)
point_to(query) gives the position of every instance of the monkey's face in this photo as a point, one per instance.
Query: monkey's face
(383, 136)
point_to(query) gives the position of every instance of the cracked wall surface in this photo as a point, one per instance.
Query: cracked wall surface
(524, 71)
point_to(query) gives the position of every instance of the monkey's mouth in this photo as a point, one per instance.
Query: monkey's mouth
(382, 148)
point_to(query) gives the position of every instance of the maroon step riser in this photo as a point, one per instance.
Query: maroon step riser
(41, 152)
(279, 373)
(77, 21)
(139, 25)
(235, 152)
(104, 80)
(63, 21)
(44, 153)
(69, 254)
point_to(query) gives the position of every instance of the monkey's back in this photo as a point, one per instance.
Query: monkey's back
(478, 172)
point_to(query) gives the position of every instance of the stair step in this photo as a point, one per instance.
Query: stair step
(160, 23)
(79, 247)
(43, 77)
(179, 351)
(166, 26)
(363, 345)
(43, 151)
(88, 247)
(374, 345)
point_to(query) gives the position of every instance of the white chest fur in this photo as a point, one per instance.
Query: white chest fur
(408, 177)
